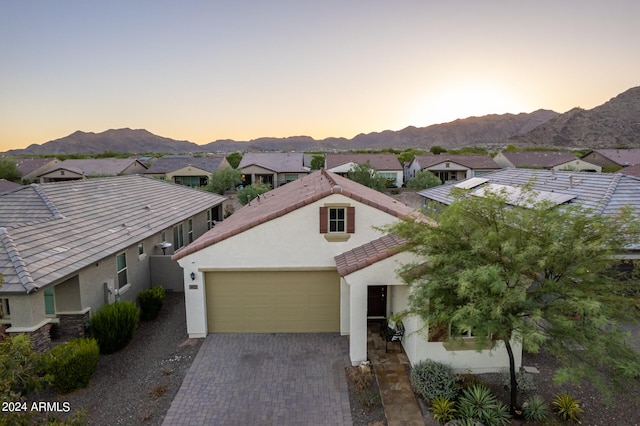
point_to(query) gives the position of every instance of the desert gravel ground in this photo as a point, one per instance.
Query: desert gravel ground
(136, 385)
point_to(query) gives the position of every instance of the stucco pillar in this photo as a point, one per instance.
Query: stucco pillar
(358, 320)
(194, 300)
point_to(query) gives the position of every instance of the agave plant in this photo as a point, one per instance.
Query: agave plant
(478, 403)
(443, 409)
(535, 409)
(566, 407)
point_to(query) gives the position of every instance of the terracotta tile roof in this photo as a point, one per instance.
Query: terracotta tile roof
(290, 197)
(542, 159)
(368, 254)
(471, 161)
(622, 157)
(631, 170)
(279, 162)
(50, 231)
(380, 162)
(169, 164)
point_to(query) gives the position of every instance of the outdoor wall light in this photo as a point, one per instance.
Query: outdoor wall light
(193, 276)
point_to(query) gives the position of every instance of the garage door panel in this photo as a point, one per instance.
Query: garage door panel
(264, 302)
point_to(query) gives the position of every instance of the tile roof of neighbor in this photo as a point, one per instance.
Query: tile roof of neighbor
(470, 161)
(631, 170)
(96, 166)
(170, 163)
(380, 162)
(279, 162)
(50, 231)
(27, 165)
(7, 185)
(368, 254)
(543, 159)
(604, 193)
(290, 197)
(622, 157)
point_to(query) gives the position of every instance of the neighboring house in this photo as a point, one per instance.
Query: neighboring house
(306, 258)
(631, 170)
(610, 158)
(451, 168)
(186, 170)
(272, 168)
(604, 193)
(67, 248)
(7, 185)
(31, 168)
(549, 160)
(100, 167)
(386, 165)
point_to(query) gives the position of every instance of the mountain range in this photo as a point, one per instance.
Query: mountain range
(614, 124)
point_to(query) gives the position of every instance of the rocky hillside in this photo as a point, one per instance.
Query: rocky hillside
(614, 124)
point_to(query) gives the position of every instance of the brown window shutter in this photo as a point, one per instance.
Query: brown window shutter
(351, 220)
(324, 220)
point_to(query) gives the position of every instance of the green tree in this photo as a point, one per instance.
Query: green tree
(317, 162)
(541, 275)
(366, 175)
(234, 159)
(223, 180)
(9, 169)
(252, 191)
(437, 149)
(424, 179)
(408, 154)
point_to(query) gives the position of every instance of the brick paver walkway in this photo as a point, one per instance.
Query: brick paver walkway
(265, 379)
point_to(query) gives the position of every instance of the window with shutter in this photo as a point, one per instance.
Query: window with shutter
(337, 221)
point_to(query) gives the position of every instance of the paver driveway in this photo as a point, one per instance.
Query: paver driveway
(265, 379)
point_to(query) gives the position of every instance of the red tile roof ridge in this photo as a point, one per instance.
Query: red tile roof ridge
(290, 197)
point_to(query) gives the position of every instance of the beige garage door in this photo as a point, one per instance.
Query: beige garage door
(277, 302)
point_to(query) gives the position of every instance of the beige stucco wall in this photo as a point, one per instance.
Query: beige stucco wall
(291, 241)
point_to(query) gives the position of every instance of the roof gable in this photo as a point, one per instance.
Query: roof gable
(380, 162)
(368, 254)
(542, 159)
(279, 162)
(290, 197)
(170, 164)
(473, 162)
(96, 167)
(622, 157)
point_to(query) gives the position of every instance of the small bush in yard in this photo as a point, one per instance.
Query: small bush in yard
(433, 379)
(114, 325)
(535, 409)
(72, 364)
(151, 302)
(524, 380)
(478, 403)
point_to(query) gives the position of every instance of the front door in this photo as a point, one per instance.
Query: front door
(377, 301)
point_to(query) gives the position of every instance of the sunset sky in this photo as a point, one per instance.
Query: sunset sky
(208, 70)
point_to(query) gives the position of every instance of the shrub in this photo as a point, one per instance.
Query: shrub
(535, 409)
(114, 325)
(72, 364)
(525, 381)
(433, 379)
(566, 407)
(251, 192)
(478, 403)
(443, 409)
(151, 301)
(360, 377)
